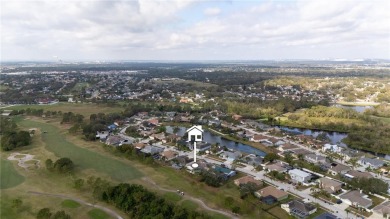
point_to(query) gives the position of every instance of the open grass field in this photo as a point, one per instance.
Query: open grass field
(85, 109)
(98, 214)
(83, 158)
(173, 197)
(9, 177)
(70, 204)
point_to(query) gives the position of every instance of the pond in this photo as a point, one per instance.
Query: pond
(334, 137)
(211, 138)
(359, 109)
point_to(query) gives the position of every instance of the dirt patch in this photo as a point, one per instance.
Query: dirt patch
(26, 161)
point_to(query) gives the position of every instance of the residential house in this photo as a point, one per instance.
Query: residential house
(200, 146)
(331, 148)
(287, 147)
(273, 192)
(277, 166)
(314, 158)
(357, 174)
(300, 151)
(253, 160)
(153, 122)
(348, 154)
(102, 135)
(299, 176)
(115, 140)
(231, 156)
(226, 172)
(329, 185)
(247, 179)
(258, 138)
(272, 142)
(158, 137)
(152, 150)
(338, 168)
(173, 138)
(299, 209)
(214, 122)
(112, 127)
(182, 160)
(371, 163)
(139, 145)
(356, 198)
(168, 155)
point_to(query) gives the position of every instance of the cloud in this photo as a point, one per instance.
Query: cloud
(212, 11)
(145, 29)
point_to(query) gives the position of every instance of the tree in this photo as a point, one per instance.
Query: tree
(61, 215)
(49, 164)
(353, 162)
(271, 157)
(78, 183)
(44, 213)
(17, 203)
(63, 165)
(289, 158)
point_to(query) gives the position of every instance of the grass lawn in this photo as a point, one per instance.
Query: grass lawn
(9, 177)
(70, 204)
(278, 212)
(172, 197)
(97, 214)
(83, 158)
(375, 200)
(189, 205)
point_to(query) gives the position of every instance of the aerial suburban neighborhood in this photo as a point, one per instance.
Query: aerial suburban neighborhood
(196, 130)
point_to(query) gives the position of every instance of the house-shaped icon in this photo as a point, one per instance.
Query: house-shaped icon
(195, 133)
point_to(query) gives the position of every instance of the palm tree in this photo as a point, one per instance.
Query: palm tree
(353, 162)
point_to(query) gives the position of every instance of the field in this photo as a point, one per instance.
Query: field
(9, 177)
(70, 204)
(83, 158)
(98, 214)
(85, 109)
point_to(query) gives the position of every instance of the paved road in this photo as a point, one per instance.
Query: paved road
(107, 210)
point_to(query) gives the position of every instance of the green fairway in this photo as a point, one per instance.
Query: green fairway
(70, 204)
(83, 158)
(190, 205)
(98, 214)
(9, 177)
(172, 196)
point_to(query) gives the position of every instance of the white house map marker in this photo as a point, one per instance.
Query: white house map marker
(195, 133)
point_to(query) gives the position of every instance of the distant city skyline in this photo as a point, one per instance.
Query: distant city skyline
(56, 30)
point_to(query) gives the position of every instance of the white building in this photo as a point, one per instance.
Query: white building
(299, 176)
(332, 148)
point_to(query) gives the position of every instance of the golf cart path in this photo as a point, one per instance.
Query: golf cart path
(199, 201)
(107, 210)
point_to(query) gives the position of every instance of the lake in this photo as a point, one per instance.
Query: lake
(211, 138)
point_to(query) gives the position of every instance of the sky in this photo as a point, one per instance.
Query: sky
(51, 30)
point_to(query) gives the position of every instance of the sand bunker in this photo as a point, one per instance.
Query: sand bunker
(26, 161)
